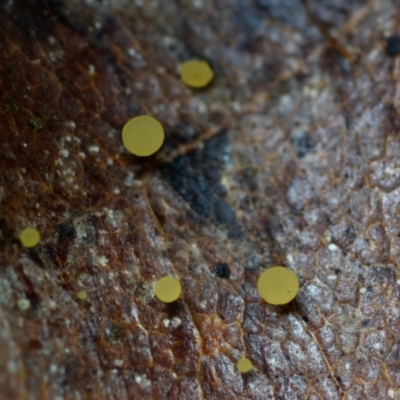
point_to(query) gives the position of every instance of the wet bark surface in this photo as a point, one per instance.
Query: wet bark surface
(290, 157)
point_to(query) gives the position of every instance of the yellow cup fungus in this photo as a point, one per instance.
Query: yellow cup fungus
(29, 237)
(168, 289)
(244, 365)
(81, 295)
(278, 285)
(196, 74)
(143, 135)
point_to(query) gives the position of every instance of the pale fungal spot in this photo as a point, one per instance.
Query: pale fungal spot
(24, 304)
(52, 305)
(81, 295)
(244, 365)
(64, 153)
(391, 393)
(118, 363)
(198, 106)
(278, 285)
(93, 149)
(143, 381)
(168, 289)
(29, 237)
(102, 261)
(166, 323)
(332, 247)
(132, 52)
(196, 74)
(289, 258)
(70, 125)
(176, 322)
(143, 135)
(236, 106)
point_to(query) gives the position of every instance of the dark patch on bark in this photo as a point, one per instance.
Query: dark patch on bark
(196, 177)
(222, 270)
(393, 46)
(250, 176)
(34, 19)
(180, 133)
(66, 231)
(303, 144)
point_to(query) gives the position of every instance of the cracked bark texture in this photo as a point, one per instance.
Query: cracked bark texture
(290, 157)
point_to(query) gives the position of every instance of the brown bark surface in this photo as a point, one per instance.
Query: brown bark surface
(290, 157)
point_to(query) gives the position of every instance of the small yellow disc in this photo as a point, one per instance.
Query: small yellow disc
(278, 285)
(142, 135)
(81, 295)
(244, 365)
(29, 237)
(168, 289)
(196, 73)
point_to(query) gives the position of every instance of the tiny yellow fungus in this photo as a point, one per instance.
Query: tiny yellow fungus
(168, 289)
(81, 295)
(278, 285)
(24, 304)
(244, 365)
(196, 74)
(29, 237)
(142, 135)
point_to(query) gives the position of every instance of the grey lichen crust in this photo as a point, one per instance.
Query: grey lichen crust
(290, 157)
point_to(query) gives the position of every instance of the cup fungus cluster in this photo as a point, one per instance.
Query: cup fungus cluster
(143, 136)
(276, 286)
